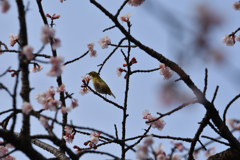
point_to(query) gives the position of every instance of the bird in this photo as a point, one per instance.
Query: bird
(99, 84)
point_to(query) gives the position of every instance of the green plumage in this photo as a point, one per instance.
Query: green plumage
(99, 85)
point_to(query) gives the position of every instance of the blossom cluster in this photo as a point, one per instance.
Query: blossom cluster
(104, 42)
(94, 138)
(119, 70)
(85, 79)
(69, 134)
(159, 124)
(4, 6)
(135, 3)
(47, 34)
(142, 151)
(165, 71)
(13, 39)
(93, 53)
(56, 69)
(5, 150)
(46, 99)
(230, 40)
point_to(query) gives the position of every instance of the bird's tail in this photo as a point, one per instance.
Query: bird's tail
(112, 95)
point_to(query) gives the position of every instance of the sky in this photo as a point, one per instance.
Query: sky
(152, 23)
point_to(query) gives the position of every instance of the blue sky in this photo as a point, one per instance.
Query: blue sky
(81, 23)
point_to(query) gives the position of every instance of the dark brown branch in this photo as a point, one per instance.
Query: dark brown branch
(120, 42)
(205, 81)
(172, 111)
(215, 140)
(76, 59)
(227, 107)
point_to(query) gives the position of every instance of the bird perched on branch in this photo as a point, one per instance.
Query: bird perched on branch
(99, 85)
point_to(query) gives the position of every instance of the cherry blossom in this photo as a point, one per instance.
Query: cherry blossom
(135, 3)
(44, 121)
(28, 52)
(142, 152)
(236, 5)
(165, 71)
(46, 34)
(61, 88)
(228, 40)
(104, 42)
(148, 140)
(125, 18)
(36, 68)
(56, 69)
(26, 107)
(4, 6)
(56, 43)
(119, 71)
(13, 39)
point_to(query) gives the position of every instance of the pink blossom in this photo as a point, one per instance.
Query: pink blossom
(148, 140)
(165, 71)
(28, 52)
(119, 71)
(159, 124)
(74, 103)
(13, 39)
(46, 34)
(62, 1)
(142, 152)
(237, 38)
(64, 110)
(61, 88)
(44, 121)
(125, 18)
(93, 53)
(3, 150)
(135, 3)
(36, 68)
(94, 137)
(26, 107)
(51, 91)
(159, 150)
(229, 41)
(56, 69)
(90, 46)
(83, 91)
(76, 149)
(68, 138)
(236, 5)
(86, 77)
(68, 129)
(4, 6)
(104, 42)
(176, 157)
(145, 114)
(179, 146)
(56, 44)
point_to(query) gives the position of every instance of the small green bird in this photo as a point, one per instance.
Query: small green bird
(99, 85)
